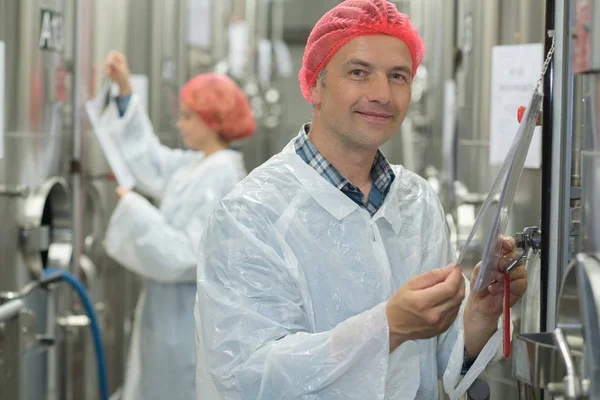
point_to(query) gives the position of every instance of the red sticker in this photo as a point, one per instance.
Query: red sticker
(521, 113)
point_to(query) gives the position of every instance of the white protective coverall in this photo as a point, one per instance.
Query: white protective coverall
(293, 281)
(161, 246)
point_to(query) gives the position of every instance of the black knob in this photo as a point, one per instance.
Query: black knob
(479, 390)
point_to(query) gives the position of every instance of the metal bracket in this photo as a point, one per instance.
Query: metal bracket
(14, 190)
(571, 386)
(26, 323)
(35, 238)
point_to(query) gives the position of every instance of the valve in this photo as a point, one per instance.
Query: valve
(529, 239)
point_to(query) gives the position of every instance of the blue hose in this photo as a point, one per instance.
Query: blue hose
(89, 309)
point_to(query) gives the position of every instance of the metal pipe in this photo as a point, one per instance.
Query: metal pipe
(182, 50)
(262, 19)
(67, 351)
(277, 19)
(571, 382)
(251, 16)
(183, 59)
(10, 309)
(76, 164)
(218, 46)
(578, 130)
(561, 341)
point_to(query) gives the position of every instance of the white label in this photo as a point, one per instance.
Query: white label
(2, 74)
(515, 71)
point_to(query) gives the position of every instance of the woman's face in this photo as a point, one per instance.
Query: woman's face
(194, 131)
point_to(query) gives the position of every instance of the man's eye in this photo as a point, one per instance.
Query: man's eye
(358, 73)
(400, 77)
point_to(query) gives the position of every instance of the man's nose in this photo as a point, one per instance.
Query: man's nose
(379, 89)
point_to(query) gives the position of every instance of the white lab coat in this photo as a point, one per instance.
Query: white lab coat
(161, 246)
(293, 280)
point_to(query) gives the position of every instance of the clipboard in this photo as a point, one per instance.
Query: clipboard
(504, 189)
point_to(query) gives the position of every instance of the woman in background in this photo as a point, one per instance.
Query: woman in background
(161, 244)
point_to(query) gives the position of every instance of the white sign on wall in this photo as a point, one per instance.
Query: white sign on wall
(515, 71)
(2, 94)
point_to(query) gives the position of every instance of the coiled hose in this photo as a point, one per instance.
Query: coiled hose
(91, 313)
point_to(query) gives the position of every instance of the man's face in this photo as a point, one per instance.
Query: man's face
(366, 91)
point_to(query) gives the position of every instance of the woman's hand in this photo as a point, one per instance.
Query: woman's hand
(116, 69)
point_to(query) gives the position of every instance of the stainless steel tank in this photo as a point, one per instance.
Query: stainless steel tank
(35, 200)
(51, 179)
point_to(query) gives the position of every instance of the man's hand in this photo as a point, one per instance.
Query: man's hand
(121, 192)
(484, 308)
(426, 305)
(116, 69)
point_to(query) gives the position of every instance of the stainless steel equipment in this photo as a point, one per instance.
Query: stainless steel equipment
(53, 201)
(573, 312)
(156, 48)
(566, 362)
(35, 225)
(480, 27)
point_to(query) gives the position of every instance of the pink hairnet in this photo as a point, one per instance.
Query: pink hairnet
(221, 104)
(349, 20)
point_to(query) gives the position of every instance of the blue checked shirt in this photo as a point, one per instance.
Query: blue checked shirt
(381, 173)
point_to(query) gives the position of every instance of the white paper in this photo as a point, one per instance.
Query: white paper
(283, 59)
(265, 60)
(199, 23)
(448, 131)
(95, 109)
(515, 71)
(238, 48)
(139, 86)
(2, 94)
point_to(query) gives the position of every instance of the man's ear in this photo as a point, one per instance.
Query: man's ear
(315, 93)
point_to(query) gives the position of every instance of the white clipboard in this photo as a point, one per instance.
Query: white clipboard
(95, 108)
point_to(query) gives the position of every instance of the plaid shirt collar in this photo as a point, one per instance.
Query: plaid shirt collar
(381, 172)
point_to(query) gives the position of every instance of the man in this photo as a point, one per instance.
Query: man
(320, 276)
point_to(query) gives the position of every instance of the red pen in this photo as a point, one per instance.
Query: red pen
(506, 313)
